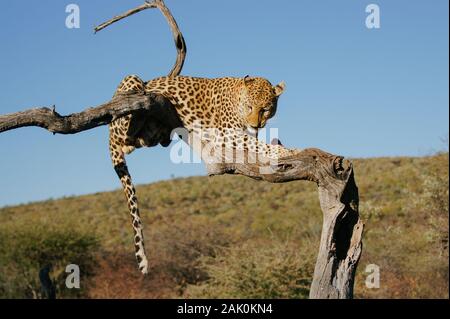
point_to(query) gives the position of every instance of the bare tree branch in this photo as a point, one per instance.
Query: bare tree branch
(50, 120)
(145, 6)
(180, 44)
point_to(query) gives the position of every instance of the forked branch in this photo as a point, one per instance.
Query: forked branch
(180, 44)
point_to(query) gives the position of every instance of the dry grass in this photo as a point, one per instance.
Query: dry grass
(203, 234)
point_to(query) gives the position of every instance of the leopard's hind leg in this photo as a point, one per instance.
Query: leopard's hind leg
(120, 143)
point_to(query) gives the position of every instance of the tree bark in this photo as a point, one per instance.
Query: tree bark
(341, 239)
(49, 119)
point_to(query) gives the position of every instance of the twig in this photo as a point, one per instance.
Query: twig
(146, 5)
(180, 44)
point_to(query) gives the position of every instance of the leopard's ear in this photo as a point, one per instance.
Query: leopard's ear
(248, 79)
(279, 88)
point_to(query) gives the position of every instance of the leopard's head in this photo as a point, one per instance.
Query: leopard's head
(260, 102)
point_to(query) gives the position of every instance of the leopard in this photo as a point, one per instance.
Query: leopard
(228, 104)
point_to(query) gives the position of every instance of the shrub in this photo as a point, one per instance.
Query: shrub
(116, 276)
(257, 270)
(409, 243)
(176, 249)
(435, 200)
(25, 250)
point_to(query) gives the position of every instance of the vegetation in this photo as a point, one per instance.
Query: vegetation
(272, 269)
(230, 236)
(25, 251)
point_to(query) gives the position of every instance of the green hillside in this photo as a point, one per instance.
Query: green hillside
(230, 236)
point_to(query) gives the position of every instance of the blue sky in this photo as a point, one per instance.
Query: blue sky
(350, 90)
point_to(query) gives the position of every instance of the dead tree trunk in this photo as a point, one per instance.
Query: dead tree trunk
(341, 239)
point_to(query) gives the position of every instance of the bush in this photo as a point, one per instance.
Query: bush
(26, 250)
(117, 277)
(435, 200)
(257, 270)
(175, 250)
(408, 243)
